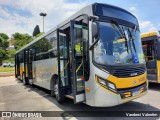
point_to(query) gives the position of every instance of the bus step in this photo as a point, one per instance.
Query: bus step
(71, 96)
(152, 80)
(151, 77)
(152, 71)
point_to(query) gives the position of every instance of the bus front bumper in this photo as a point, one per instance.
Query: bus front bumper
(109, 98)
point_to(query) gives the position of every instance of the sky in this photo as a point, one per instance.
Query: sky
(23, 15)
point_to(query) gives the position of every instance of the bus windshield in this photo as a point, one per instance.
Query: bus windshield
(113, 49)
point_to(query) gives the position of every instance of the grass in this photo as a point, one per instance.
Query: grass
(7, 69)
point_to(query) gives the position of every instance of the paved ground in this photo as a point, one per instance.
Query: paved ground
(6, 74)
(14, 96)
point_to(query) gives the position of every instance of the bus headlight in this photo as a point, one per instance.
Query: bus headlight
(109, 85)
(101, 81)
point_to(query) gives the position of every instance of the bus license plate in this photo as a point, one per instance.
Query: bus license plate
(136, 93)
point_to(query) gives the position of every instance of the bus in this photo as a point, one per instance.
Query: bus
(150, 43)
(93, 57)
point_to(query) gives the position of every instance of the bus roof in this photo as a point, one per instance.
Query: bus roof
(86, 10)
(150, 34)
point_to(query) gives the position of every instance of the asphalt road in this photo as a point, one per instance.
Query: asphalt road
(14, 96)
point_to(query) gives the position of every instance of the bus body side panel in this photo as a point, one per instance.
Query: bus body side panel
(42, 72)
(37, 68)
(50, 68)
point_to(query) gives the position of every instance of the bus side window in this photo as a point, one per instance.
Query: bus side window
(53, 45)
(44, 47)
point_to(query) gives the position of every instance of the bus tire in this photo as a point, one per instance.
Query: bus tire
(53, 80)
(55, 90)
(58, 98)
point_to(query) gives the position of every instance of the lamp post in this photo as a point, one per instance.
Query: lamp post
(43, 15)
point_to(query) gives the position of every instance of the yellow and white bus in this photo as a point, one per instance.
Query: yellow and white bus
(151, 48)
(94, 57)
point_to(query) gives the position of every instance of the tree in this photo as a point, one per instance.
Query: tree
(36, 31)
(21, 40)
(3, 55)
(38, 35)
(4, 44)
(11, 53)
(0, 41)
(4, 36)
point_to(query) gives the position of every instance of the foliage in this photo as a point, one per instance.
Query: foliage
(11, 53)
(21, 40)
(1, 41)
(10, 56)
(4, 36)
(36, 31)
(12, 60)
(4, 44)
(38, 35)
(2, 54)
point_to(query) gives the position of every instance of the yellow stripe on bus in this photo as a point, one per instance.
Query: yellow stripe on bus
(128, 82)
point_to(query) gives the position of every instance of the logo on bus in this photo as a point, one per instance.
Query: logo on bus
(134, 74)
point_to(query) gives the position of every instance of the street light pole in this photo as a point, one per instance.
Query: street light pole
(43, 15)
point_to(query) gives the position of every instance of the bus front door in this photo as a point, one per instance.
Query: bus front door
(64, 83)
(80, 70)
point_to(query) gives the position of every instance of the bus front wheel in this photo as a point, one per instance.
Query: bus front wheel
(55, 91)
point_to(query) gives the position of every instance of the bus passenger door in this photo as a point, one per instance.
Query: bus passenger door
(26, 64)
(64, 84)
(150, 56)
(30, 59)
(79, 39)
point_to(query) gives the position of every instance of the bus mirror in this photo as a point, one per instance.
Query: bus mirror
(94, 29)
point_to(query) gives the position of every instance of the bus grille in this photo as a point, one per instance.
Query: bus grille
(129, 72)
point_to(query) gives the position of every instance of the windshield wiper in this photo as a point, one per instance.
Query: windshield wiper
(132, 37)
(122, 33)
